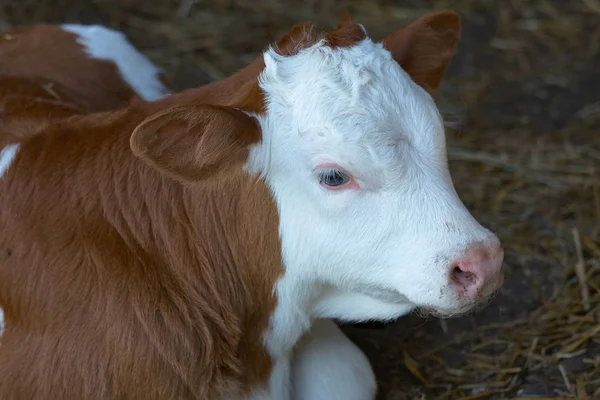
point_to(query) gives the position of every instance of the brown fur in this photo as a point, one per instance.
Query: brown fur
(346, 34)
(27, 103)
(51, 54)
(134, 285)
(45, 75)
(172, 281)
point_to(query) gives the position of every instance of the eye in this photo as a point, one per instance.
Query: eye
(333, 178)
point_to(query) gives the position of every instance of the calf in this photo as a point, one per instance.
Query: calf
(198, 246)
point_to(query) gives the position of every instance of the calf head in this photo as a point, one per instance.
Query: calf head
(351, 145)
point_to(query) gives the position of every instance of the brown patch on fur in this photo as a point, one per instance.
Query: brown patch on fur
(45, 75)
(239, 90)
(49, 52)
(125, 283)
(29, 103)
(346, 34)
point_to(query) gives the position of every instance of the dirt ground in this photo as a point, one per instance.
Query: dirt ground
(522, 100)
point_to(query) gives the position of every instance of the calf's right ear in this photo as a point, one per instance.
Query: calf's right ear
(191, 143)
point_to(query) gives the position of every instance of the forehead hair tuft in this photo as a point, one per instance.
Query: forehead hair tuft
(302, 36)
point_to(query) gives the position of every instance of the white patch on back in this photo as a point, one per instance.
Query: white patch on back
(110, 45)
(7, 155)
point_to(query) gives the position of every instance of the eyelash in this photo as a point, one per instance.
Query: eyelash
(326, 176)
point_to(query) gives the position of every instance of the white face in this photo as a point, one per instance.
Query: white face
(371, 226)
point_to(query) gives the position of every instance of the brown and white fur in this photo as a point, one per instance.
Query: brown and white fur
(198, 246)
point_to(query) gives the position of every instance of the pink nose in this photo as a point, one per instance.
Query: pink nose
(479, 273)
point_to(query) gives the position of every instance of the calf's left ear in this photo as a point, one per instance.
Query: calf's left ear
(425, 48)
(191, 143)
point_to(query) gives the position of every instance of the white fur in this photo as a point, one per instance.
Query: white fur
(7, 155)
(324, 365)
(369, 254)
(328, 366)
(110, 45)
(358, 306)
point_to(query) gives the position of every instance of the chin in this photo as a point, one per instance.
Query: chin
(459, 310)
(426, 312)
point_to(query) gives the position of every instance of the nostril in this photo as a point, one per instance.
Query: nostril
(462, 277)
